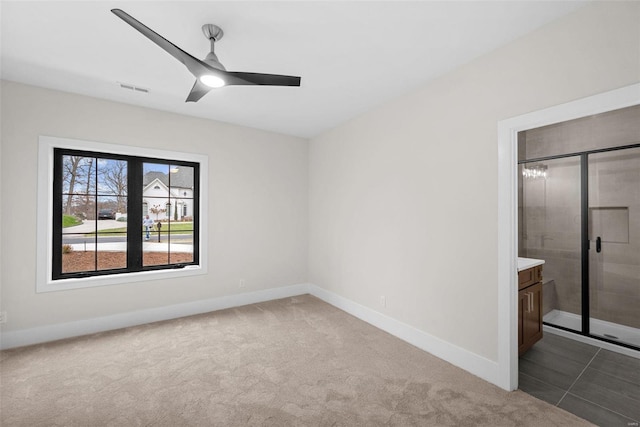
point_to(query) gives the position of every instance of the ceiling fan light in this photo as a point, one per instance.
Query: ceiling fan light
(212, 81)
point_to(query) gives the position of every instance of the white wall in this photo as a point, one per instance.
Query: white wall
(403, 199)
(257, 203)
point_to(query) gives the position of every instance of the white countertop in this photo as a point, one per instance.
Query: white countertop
(525, 263)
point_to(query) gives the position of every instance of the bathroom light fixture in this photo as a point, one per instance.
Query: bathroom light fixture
(534, 172)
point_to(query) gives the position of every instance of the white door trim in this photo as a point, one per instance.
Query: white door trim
(507, 209)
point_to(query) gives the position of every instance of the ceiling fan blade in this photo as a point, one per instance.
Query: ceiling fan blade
(207, 76)
(194, 65)
(198, 90)
(241, 78)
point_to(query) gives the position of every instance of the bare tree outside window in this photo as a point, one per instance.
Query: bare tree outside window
(113, 176)
(78, 178)
(89, 183)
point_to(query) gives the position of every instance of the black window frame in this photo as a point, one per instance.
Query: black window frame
(134, 203)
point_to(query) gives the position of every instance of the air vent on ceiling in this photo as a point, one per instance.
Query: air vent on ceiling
(133, 87)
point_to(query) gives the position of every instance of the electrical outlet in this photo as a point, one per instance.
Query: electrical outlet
(241, 283)
(3, 317)
(383, 301)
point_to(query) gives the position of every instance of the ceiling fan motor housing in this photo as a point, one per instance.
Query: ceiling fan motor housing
(212, 59)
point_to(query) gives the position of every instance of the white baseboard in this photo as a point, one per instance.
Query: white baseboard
(470, 362)
(59, 331)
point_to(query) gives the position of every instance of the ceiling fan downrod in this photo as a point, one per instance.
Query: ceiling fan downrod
(213, 33)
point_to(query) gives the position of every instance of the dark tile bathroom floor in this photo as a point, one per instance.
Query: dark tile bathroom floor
(593, 383)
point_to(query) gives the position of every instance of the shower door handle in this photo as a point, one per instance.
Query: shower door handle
(598, 244)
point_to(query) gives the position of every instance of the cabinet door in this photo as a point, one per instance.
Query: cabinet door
(533, 317)
(522, 308)
(529, 317)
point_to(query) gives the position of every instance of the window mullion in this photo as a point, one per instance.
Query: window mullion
(196, 213)
(95, 219)
(134, 215)
(56, 267)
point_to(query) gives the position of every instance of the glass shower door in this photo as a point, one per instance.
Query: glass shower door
(614, 245)
(550, 229)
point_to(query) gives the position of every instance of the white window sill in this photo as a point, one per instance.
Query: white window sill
(118, 279)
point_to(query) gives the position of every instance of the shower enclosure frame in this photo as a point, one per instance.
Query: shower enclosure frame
(584, 238)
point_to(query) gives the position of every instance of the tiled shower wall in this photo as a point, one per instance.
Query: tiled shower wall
(549, 214)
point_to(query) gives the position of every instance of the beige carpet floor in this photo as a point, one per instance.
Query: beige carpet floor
(291, 362)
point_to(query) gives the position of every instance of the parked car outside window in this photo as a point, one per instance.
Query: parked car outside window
(106, 214)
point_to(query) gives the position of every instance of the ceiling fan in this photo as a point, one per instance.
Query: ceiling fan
(209, 73)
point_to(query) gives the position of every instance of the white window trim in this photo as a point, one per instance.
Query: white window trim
(44, 232)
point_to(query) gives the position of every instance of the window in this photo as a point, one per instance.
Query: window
(92, 189)
(111, 217)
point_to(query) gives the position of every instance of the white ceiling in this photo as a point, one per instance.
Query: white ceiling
(351, 56)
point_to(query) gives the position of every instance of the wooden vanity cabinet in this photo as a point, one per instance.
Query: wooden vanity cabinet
(529, 308)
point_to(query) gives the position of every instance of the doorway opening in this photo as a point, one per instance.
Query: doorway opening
(508, 133)
(579, 211)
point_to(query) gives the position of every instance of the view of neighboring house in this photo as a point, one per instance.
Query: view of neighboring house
(168, 196)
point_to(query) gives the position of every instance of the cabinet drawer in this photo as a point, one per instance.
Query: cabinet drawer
(529, 276)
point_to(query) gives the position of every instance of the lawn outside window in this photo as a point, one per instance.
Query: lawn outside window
(112, 214)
